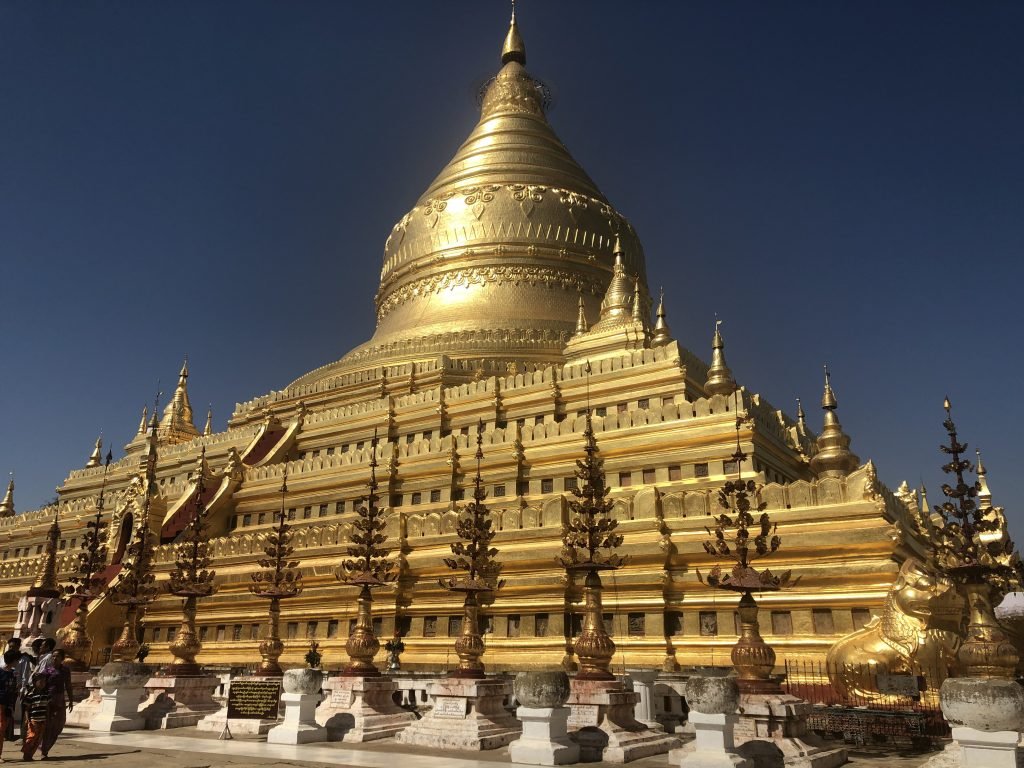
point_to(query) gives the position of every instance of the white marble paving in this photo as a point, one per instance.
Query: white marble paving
(337, 755)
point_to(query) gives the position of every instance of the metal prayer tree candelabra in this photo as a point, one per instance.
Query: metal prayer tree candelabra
(981, 566)
(86, 582)
(136, 588)
(279, 579)
(474, 556)
(367, 568)
(191, 579)
(744, 532)
(589, 540)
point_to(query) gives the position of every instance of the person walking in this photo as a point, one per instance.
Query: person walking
(58, 679)
(8, 694)
(36, 705)
(21, 665)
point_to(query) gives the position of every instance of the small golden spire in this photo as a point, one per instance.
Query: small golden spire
(208, 429)
(720, 380)
(97, 454)
(617, 299)
(144, 421)
(801, 419)
(176, 426)
(925, 509)
(46, 583)
(984, 494)
(514, 48)
(662, 333)
(834, 458)
(639, 316)
(581, 317)
(7, 505)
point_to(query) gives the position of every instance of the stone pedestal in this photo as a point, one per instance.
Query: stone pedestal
(123, 690)
(606, 725)
(358, 709)
(714, 745)
(87, 708)
(987, 716)
(299, 725)
(242, 726)
(179, 702)
(466, 714)
(772, 731)
(545, 739)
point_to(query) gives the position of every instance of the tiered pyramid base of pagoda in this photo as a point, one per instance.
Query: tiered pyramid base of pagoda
(357, 709)
(466, 714)
(606, 728)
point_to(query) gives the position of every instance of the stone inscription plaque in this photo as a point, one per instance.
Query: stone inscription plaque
(341, 697)
(583, 715)
(450, 706)
(253, 699)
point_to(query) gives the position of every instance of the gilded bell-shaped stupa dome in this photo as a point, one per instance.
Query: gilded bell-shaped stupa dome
(490, 261)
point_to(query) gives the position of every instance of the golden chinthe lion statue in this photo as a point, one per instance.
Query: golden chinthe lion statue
(917, 634)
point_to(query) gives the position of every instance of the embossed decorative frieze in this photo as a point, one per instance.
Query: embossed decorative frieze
(514, 274)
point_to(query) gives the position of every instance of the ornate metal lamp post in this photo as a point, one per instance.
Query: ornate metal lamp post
(475, 557)
(191, 579)
(367, 568)
(978, 568)
(279, 580)
(86, 583)
(741, 537)
(588, 543)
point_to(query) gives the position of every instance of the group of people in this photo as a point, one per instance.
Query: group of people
(35, 688)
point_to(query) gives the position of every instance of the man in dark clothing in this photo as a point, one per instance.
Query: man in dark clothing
(58, 678)
(36, 706)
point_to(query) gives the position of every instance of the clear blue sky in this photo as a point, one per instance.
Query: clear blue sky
(839, 181)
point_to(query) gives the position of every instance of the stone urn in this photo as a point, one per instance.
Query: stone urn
(542, 690)
(712, 695)
(303, 680)
(123, 674)
(985, 704)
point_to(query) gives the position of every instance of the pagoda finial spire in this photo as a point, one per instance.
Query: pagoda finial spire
(834, 458)
(144, 421)
(208, 429)
(514, 48)
(801, 417)
(96, 458)
(7, 505)
(720, 380)
(662, 333)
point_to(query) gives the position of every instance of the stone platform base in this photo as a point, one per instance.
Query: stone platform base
(713, 745)
(545, 739)
(237, 725)
(86, 709)
(119, 710)
(772, 731)
(299, 726)
(979, 749)
(358, 709)
(603, 712)
(179, 702)
(466, 714)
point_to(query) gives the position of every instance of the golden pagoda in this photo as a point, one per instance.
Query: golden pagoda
(509, 277)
